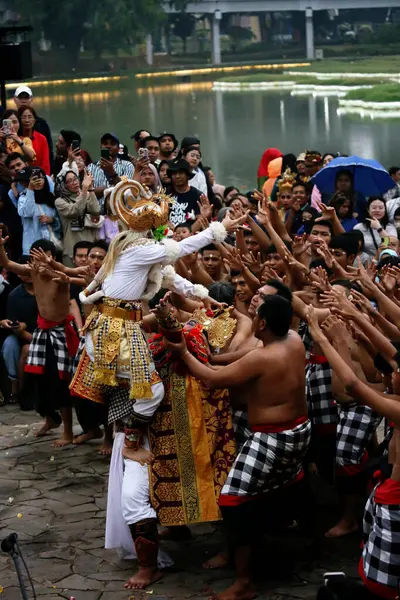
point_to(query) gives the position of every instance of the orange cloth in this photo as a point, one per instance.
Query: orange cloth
(274, 171)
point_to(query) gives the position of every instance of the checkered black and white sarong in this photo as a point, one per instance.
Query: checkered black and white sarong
(240, 423)
(355, 429)
(322, 408)
(381, 530)
(268, 461)
(36, 361)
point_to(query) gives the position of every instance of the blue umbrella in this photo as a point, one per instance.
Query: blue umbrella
(369, 177)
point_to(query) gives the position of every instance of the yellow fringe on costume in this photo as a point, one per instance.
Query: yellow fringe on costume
(120, 345)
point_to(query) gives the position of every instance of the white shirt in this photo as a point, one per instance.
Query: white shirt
(371, 247)
(129, 278)
(199, 181)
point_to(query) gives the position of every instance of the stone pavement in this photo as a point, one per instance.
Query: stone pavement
(55, 499)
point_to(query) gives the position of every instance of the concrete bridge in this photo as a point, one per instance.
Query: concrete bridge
(216, 8)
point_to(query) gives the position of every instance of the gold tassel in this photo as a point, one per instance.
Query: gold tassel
(140, 390)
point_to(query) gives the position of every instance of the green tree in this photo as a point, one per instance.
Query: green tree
(183, 25)
(106, 24)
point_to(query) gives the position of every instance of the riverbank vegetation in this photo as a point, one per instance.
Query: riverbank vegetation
(386, 92)
(301, 79)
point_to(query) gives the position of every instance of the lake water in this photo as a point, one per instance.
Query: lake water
(234, 127)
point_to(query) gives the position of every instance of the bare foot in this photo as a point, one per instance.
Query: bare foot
(343, 528)
(46, 427)
(92, 434)
(106, 448)
(143, 578)
(242, 589)
(63, 441)
(221, 561)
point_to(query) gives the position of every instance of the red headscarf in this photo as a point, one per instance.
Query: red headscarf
(266, 158)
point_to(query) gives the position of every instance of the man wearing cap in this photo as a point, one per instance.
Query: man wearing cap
(168, 145)
(23, 97)
(187, 198)
(106, 172)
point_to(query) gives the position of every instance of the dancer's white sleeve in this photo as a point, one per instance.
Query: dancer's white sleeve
(168, 251)
(180, 285)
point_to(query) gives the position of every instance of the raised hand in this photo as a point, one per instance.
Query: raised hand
(325, 253)
(40, 255)
(335, 328)
(328, 212)
(389, 281)
(315, 330)
(361, 302)
(205, 207)
(263, 215)
(61, 277)
(300, 245)
(232, 224)
(87, 182)
(253, 262)
(3, 240)
(164, 307)
(319, 280)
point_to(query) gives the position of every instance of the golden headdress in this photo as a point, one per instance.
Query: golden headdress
(137, 207)
(313, 155)
(286, 181)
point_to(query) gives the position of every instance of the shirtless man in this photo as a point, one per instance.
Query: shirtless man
(272, 456)
(54, 323)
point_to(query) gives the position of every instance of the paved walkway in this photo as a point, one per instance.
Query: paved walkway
(55, 499)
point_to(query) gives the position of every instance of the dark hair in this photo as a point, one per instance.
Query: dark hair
(277, 312)
(396, 212)
(320, 262)
(79, 245)
(99, 244)
(21, 111)
(346, 242)
(273, 250)
(44, 196)
(189, 149)
(344, 172)
(230, 189)
(13, 156)
(325, 224)
(222, 291)
(69, 135)
(148, 138)
(339, 199)
(210, 248)
(87, 159)
(281, 289)
(388, 259)
(289, 162)
(185, 225)
(333, 154)
(25, 258)
(232, 198)
(7, 114)
(393, 170)
(384, 221)
(163, 162)
(349, 285)
(356, 233)
(46, 246)
(136, 135)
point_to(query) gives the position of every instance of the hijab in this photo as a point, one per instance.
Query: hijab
(158, 185)
(266, 158)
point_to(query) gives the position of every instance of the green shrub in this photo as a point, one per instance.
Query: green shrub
(386, 92)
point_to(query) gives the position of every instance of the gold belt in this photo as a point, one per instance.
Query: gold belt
(120, 313)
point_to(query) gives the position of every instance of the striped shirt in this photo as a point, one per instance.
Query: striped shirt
(100, 179)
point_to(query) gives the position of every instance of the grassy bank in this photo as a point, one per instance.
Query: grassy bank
(386, 92)
(300, 79)
(379, 64)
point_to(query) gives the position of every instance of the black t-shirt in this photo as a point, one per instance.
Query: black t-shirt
(22, 307)
(74, 291)
(185, 207)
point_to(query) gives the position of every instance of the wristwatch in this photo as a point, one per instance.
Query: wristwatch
(380, 229)
(21, 143)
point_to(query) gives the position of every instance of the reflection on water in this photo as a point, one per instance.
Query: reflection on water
(234, 128)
